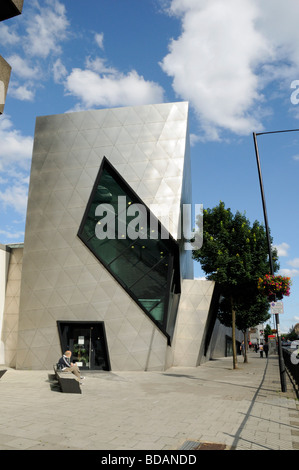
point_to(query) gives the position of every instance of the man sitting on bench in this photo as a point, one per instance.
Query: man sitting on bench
(68, 366)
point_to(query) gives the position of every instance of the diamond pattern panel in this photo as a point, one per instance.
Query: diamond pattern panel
(148, 145)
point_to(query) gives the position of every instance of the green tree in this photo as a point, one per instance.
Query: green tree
(251, 310)
(292, 335)
(267, 331)
(234, 254)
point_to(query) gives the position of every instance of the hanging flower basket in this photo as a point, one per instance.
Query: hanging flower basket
(274, 287)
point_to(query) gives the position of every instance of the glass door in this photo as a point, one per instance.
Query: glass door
(87, 342)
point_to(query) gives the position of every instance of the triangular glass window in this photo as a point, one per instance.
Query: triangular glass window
(131, 243)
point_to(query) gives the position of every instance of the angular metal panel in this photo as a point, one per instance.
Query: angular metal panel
(5, 71)
(61, 279)
(10, 8)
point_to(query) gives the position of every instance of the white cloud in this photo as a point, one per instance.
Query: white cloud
(282, 249)
(279, 25)
(225, 56)
(14, 147)
(15, 158)
(99, 65)
(15, 196)
(59, 71)
(22, 67)
(46, 29)
(212, 62)
(99, 39)
(113, 89)
(22, 92)
(8, 35)
(289, 272)
(294, 262)
(194, 139)
(8, 236)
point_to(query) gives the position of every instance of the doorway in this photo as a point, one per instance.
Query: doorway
(87, 341)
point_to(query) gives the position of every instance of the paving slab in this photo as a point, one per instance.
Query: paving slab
(210, 407)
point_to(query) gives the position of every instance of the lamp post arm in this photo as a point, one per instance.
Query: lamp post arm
(264, 203)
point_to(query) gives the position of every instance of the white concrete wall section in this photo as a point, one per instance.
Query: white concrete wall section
(4, 262)
(192, 316)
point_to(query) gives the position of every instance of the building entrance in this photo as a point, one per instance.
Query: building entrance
(87, 341)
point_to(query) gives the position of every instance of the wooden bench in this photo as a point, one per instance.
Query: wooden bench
(67, 381)
(2, 372)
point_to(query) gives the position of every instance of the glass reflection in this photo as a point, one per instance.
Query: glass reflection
(116, 228)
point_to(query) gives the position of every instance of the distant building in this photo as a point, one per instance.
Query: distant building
(8, 9)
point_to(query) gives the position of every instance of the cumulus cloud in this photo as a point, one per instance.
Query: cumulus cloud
(22, 67)
(279, 25)
(59, 71)
(15, 158)
(46, 29)
(225, 56)
(294, 262)
(282, 249)
(289, 272)
(22, 92)
(99, 39)
(112, 89)
(11, 236)
(14, 146)
(212, 62)
(15, 196)
(8, 35)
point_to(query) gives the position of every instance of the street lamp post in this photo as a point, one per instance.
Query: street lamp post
(281, 361)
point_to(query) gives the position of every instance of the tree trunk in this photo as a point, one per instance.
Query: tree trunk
(245, 346)
(235, 366)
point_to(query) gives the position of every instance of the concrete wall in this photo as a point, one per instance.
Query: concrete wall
(4, 263)
(193, 313)
(217, 345)
(10, 272)
(5, 71)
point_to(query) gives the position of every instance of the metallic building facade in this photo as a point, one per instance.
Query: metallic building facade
(118, 304)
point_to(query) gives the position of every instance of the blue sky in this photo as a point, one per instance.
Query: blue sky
(235, 62)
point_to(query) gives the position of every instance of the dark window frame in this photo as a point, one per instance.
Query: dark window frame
(174, 249)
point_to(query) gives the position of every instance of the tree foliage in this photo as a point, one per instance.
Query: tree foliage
(234, 254)
(250, 312)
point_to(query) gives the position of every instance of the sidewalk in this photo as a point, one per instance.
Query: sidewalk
(177, 409)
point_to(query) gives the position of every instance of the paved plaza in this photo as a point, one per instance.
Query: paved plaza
(242, 409)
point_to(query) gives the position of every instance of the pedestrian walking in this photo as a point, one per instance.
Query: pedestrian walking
(261, 348)
(266, 348)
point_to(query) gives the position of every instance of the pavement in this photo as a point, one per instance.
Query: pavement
(209, 407)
